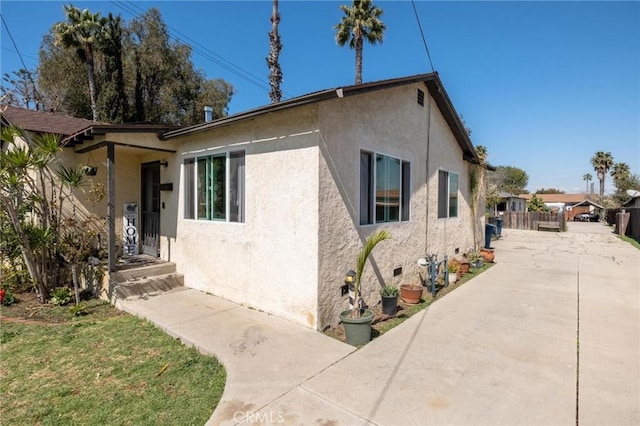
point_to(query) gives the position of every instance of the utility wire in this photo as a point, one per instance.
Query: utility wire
(424, 40)
(202, 50)
(33, 83)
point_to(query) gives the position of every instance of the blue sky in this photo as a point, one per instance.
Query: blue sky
(543, 85)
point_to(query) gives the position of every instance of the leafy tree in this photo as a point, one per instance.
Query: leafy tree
(21, 89)
(62, 80)
(140, 76)
(112, 102)
(510, 179)
(549, 191)
(82, 31)
(361, 22)
(587, 177)
(624, 181)
(275, 46)
(602, 162)
(537, 205)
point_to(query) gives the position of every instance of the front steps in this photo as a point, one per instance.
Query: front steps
(144, 281)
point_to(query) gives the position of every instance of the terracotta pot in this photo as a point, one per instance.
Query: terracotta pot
(487, 254)
(463, 268)
(411, 294)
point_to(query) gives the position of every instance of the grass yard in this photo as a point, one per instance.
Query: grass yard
(117, 370)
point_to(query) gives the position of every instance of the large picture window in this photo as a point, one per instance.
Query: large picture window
(214, 187)
(448, 185)
(385, 189)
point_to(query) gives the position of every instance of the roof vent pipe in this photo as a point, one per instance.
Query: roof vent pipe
(208, 114)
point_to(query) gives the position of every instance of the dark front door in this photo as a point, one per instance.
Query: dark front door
(151, 208)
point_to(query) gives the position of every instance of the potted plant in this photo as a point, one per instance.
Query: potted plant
(476, 259)
(452, 268)
(389, 294)
(357, 320)
(89, 170)
(412, 293)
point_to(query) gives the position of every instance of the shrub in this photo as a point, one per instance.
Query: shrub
(8, 299)
(61, 296)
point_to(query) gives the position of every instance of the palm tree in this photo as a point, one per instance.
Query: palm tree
(620, 172)
(587, 177)
(602, 162)
(82, 31)
(361, 22)
(275, 72)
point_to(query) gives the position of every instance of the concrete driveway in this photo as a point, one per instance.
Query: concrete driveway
(548, 336)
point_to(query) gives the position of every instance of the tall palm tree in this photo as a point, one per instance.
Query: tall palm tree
(361, 22)
(620, 172)
(587, 177)
(82, 31)
(275, 46)
(602, 162)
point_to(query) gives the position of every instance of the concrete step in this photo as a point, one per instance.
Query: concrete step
(142, 272)
(146, 286)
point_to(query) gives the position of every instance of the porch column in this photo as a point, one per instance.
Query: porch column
(111, 205)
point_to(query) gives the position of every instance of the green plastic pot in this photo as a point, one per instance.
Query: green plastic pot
(357, 330)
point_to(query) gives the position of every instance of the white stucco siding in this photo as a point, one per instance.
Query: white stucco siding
(389, 122)
(446, 235)
(270, 261)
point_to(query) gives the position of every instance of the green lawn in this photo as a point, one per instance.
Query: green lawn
(115, 371)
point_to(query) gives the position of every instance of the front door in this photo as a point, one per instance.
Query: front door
(151, 208)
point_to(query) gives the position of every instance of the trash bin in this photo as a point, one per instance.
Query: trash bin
(499, 226)
(489, 230)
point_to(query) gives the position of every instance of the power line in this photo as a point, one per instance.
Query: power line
(424, 40)
(202, 50)
(33, 83)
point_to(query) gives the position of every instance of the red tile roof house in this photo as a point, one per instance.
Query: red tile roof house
(269, 207)
(572, 204)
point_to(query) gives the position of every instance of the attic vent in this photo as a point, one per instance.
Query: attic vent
(420, 97)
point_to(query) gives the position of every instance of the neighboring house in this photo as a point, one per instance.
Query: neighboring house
(634, 199)
(269, 207)
(571, 204)
(510, 203)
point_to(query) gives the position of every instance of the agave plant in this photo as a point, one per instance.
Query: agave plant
(368, 247)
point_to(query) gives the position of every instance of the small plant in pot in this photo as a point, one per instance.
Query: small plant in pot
(357, 320)
(389, 294)
(452, 268)
(89, 170)
(412, 293)
(476, 259)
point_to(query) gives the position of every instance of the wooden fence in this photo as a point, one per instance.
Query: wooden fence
(633, 227)
(530, 220)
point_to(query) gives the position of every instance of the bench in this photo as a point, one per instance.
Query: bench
(549, 226)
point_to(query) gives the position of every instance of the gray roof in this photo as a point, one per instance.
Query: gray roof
(431, 80)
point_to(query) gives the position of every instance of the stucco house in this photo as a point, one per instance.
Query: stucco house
(269, 207)
(510, 203)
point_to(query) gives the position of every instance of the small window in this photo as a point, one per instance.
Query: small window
(420, 97)
(214, 187)
(448, 186)
(385, 190)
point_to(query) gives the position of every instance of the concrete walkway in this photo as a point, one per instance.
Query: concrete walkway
(550, 332)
